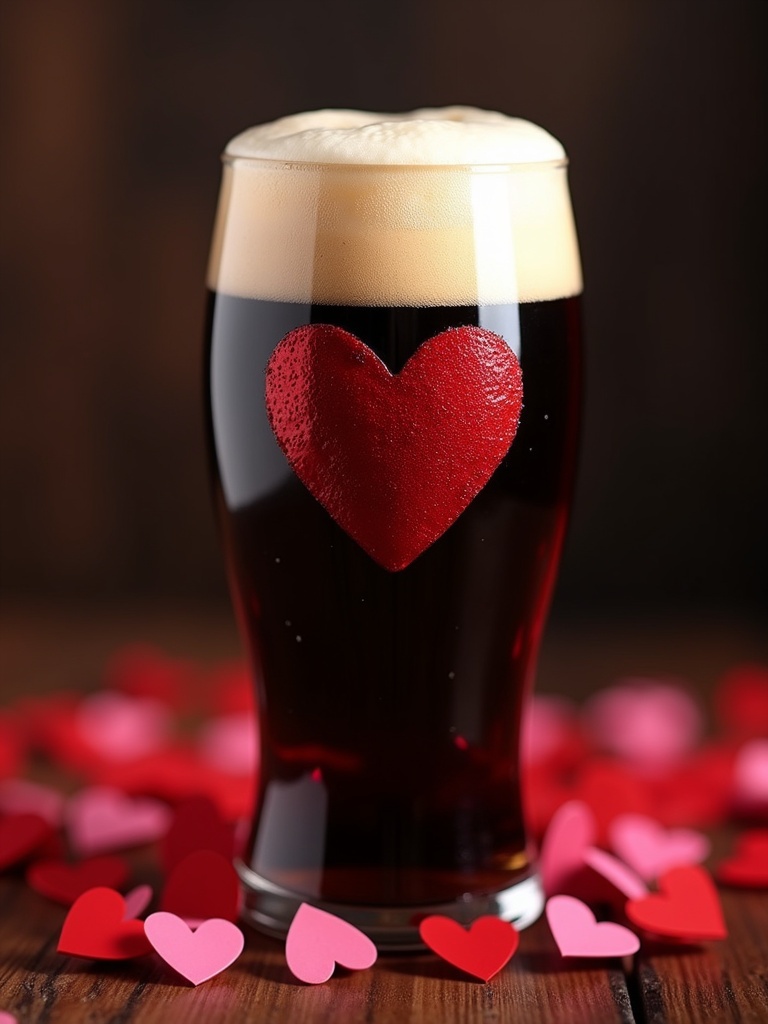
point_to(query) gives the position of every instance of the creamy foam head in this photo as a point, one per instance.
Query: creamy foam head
(436, 207)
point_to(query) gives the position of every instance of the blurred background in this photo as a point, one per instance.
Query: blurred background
(113, 118)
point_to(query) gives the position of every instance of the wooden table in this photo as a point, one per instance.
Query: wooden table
(725, 981)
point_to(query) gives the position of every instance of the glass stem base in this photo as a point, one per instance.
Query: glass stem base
(270, 909)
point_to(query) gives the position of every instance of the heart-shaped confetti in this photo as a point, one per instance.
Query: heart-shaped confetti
(650, 723)
(96, 928)
(610, 789)
(196, 825)
(101, 819)
(65, 882)
(197, 955)
(203, 885)
(686, 908)
(122, 728)
(482, 950)
(620, 878)
(650, 849)
(20, 796)
(21, 836)
(317, 941)
(747, 867)
(571, 832)
(394, 458)
(231, 744)
(7, 1018)
(137, 901)
(750, 777)
(577, 932)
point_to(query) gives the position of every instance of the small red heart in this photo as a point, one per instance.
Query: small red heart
(196, 825)
(95, 927)
(394, 458)
(21, 835)
(687, 907)
(65, 882)
(482, 951)
(202, 886)
(748, 867)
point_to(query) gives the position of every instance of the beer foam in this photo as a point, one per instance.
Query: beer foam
(454, 206)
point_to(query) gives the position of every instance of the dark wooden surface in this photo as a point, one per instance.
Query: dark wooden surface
(725, 981)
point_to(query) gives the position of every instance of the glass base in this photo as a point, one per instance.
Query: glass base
(270, 908)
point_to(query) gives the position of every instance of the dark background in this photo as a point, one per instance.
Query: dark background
(113, 116)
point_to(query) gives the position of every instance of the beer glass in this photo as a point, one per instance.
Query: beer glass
(393, 394)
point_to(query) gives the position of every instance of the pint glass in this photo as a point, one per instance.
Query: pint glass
(393, 394)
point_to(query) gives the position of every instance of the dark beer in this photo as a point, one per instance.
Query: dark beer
(389, 701)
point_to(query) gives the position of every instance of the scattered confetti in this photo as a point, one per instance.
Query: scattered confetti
(197, 955)
(686, 908)
(20, 796)
(747, 867)
(64, 882)
(137, 901)
(571, 832)
(578, 933)
(101, 819)
(651, 849)
(96, 928)
(21, 836)
(123, 728)
(196, 825)
(482, 950)
(203, 885)
(317, 941)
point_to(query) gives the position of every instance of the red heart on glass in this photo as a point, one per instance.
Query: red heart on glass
(481, 951)
(95, 927)
(394, 458)
(65, 882)
(686, 908)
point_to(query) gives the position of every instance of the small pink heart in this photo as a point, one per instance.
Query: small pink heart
(196, 955)
(650, 849)
(750, 776)
(650, 723)
(7, 1018)
(571, 832)
(20, 796)
(317, 941)
(122, 728)
(137, 901)
(619, 877)
(231, 744)
(102, 819)
(577, 932)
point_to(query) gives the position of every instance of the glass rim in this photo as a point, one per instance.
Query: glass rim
(507, 167)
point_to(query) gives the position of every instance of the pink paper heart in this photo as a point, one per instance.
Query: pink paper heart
(650, 849)
(196, 955)
(137, 901)
(650, 723)
(571, 832)
(101, 819)
(578, 933)
(618, 876)
(122, 728)
(7, 1018)
(317, 941)
(20, 796)
(750, 776)
(231, 744)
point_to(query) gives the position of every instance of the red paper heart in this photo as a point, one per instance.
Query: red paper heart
(95, 928)
(482, 951)
(21, 835)
(687, 907)
(196, 825)
(65, 882)
(394, 458)
(202, 886)
(748, 867)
